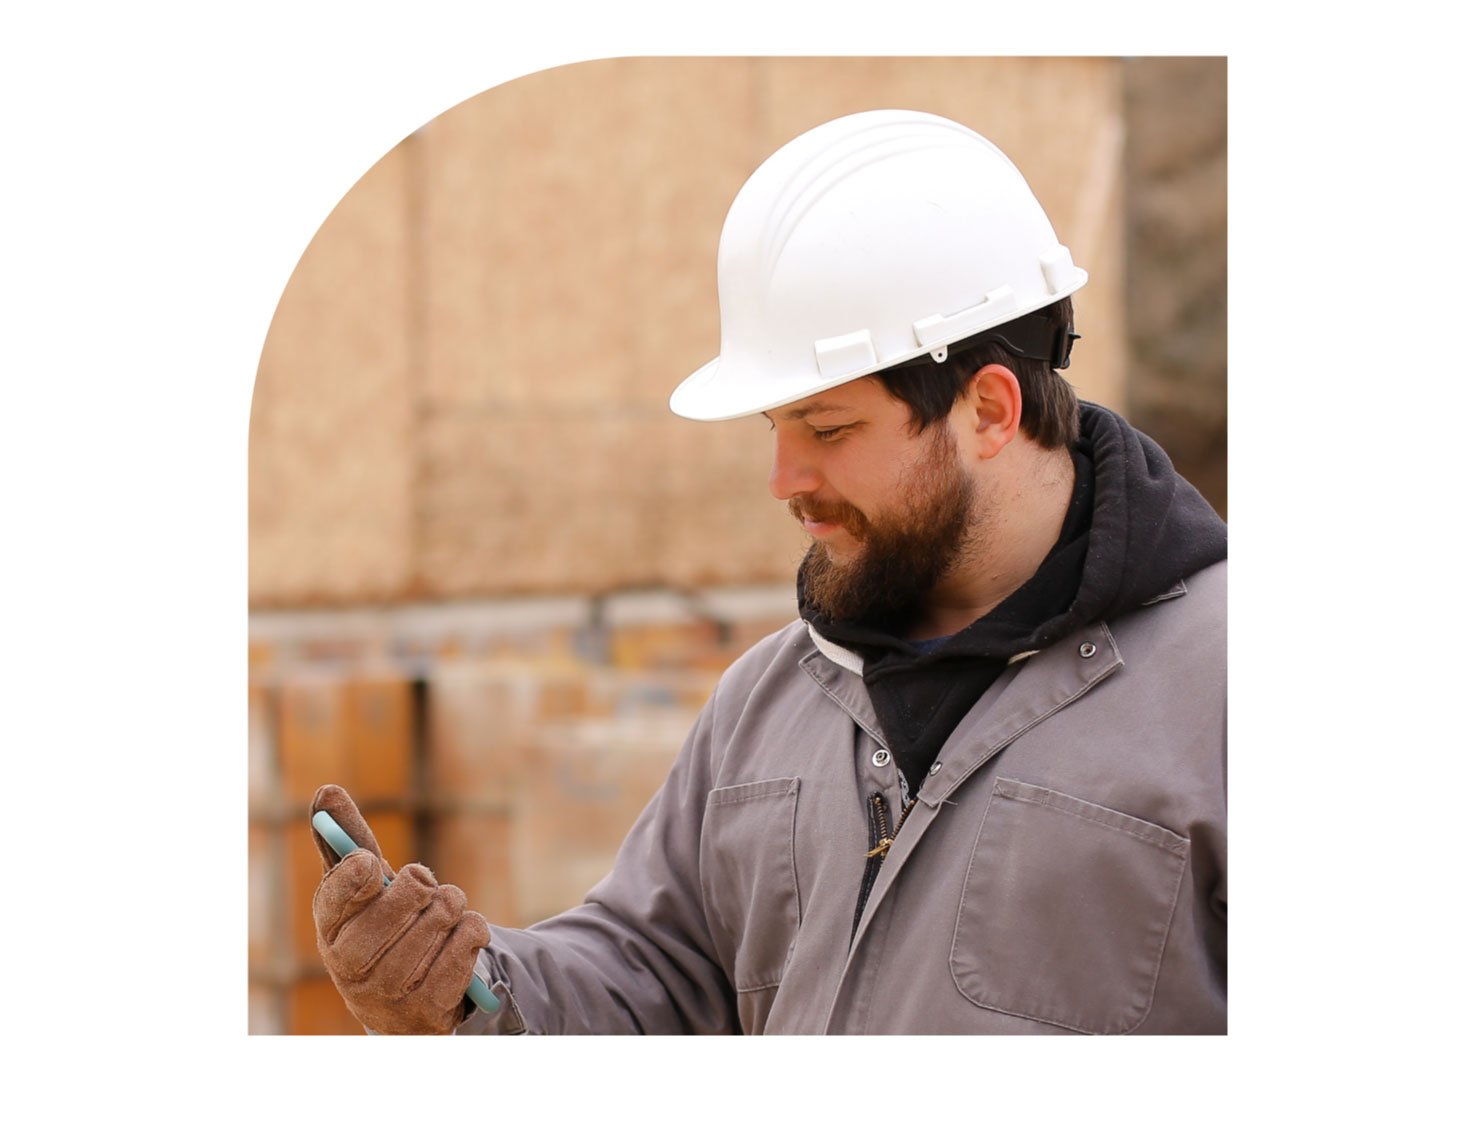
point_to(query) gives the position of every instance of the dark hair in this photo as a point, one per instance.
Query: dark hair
(1049, 412)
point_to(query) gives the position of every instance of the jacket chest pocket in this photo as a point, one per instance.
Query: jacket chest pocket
(747, 870)
(1065, 910)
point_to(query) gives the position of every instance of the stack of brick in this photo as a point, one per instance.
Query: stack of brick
(512, 765)
(317, 725)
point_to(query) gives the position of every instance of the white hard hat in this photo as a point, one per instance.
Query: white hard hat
(867, 241)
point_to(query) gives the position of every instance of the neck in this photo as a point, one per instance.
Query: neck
(1015, 527)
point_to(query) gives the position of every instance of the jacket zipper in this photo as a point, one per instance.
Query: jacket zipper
(881, 841)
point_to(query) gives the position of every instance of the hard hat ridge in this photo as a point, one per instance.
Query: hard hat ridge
(868, 241)
(805, 186)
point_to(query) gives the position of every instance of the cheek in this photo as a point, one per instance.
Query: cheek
(872, 479)
(861, 481)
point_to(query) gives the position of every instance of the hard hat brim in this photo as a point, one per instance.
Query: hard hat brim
(710, 395)
(716, 392)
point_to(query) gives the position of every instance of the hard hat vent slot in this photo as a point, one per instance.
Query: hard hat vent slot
(843, 355)
(997, 305)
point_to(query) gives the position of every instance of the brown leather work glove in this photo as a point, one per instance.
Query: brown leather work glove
(402, 955)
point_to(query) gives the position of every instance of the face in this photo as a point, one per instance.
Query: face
(889, 512)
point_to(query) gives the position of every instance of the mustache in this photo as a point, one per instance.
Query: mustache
(845, 514)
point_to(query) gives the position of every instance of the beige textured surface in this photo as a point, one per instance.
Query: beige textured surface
(331, 432)
(465, 389)
(569, 223)
(471, 849)
(1177, 282)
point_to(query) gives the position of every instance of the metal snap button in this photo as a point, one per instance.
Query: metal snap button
(1088, 650)
(935, 768)
(881, 758)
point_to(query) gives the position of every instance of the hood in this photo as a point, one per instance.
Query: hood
(1134, 529)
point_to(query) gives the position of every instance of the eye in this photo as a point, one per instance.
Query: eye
(826, 434)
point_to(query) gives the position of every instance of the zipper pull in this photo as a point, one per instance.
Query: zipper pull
(881, 849)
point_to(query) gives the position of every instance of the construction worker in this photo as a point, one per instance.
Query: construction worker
(979, 787)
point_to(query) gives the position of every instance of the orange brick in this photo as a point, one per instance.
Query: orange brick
(313, 737)
(303, 872)
(357, 733)
(394, 831)
(379, 738)
(315, 1007)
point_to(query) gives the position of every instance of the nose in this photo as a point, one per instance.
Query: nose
(792, 471)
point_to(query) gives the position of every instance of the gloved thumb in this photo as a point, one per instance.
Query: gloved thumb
(338, 803)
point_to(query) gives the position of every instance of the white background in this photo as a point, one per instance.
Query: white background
(165, 166)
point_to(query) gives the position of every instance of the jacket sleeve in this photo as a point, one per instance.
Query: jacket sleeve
(636, 956)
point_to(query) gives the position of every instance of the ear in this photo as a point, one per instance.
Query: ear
(991, 410)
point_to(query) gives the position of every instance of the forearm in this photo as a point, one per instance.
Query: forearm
(587, 972)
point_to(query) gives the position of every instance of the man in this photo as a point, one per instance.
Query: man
(980, 786)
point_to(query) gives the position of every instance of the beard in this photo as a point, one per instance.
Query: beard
(904, 552)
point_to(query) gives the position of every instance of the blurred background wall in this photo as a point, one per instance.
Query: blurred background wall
(492, 577)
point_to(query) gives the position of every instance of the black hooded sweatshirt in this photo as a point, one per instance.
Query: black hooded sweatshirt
(1133, 529)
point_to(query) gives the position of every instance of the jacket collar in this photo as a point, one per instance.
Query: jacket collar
(848, 659)
(842, 657)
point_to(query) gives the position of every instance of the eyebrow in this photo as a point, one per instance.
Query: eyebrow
(817, 408)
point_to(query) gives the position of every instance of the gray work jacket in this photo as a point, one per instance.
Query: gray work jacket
(1061, 871)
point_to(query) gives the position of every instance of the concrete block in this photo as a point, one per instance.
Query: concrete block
(264, 770)
(266, 1009)
(587, 786)
(267, 928)
(479, 721)
(471, 849)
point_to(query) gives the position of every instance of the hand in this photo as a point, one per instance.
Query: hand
(403, 954)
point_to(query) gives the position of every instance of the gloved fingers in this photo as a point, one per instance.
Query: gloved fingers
(363, 939)
(403, 966)
(338, 803)
(345, 891)
(450, 972)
